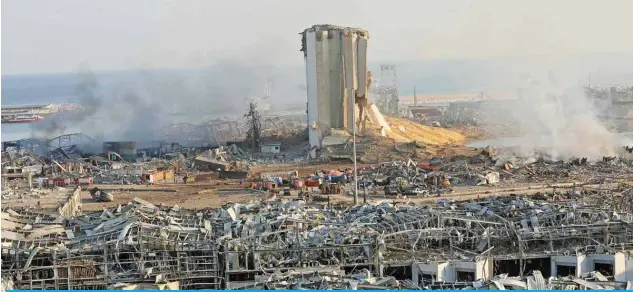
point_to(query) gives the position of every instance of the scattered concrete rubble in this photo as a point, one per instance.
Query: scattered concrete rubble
(578, 236)
(517, 242)
(113, 249)
(438, 176)
(70, 166)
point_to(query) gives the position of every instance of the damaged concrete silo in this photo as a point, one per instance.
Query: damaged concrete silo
(337, 79)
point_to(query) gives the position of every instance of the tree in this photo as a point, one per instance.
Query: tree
(254, 125)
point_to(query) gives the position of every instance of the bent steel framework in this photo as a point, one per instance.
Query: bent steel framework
(70, 139)
(126, 251)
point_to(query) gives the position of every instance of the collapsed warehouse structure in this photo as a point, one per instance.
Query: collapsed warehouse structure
(516, 242)
(222, 130)
(73, 156)
(59, 251)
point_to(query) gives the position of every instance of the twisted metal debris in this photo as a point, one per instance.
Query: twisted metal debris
(291, 244)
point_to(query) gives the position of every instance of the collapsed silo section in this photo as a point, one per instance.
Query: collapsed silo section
(336, 78)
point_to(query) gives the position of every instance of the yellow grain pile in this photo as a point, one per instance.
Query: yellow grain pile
(406, 131)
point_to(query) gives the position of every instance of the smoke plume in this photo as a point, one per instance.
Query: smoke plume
(559, 121)
(87, 97)
(140, 105)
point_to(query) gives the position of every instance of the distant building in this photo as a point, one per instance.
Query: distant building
(429, 111)
(127, 150)
(613, 105)
(270, 148)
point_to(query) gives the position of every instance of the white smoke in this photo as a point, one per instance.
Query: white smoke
(562, 123)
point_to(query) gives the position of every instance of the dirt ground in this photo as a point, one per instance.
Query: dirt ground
(215, 193)
(192, 196)
(199, 194)
(471, 132)
(43, 198)
(403, 130)
(210, 195)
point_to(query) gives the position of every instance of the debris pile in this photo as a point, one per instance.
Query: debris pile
(291, 244)
(587, 281)
(128, 245)
(543, 169)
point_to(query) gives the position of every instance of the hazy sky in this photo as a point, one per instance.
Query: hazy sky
(59, 35)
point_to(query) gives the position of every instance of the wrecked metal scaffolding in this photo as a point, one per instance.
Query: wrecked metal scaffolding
(70, 139)
(41, 146)
(246, 245)
(134, 248)
(223, 130)
(491, 227)
(103, 260)
(387, 90)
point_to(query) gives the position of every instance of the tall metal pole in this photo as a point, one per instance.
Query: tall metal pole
(354, 142)
(415, 97)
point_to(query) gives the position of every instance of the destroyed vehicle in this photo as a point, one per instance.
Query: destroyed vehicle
(321, 199)
(435, 161)
(429, 166)
(312, 182)
(383, 181)
(336, 179)
(391, 190)
(418, 192)
(100, 195)
(540, 196)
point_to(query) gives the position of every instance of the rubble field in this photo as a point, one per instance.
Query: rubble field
(486, 221)
(515, 242)
(331, 194)
(427, 213)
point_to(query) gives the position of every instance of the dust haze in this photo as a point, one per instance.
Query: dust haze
(547, 52)
(555, 118)
(139, 105)
(554, 111)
